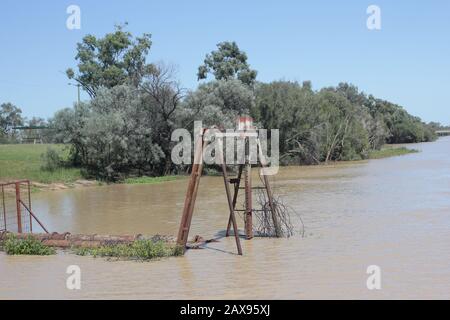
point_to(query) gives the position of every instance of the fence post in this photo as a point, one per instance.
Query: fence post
(4, 206)
(19, 215)
(29, 205)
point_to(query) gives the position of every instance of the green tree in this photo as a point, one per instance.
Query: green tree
(228, 62)
(217, 103)
(10, 116)
(121, 141)
(68, 128)
(402, 127)
(314, 126)
(162, 96)
(115, 59)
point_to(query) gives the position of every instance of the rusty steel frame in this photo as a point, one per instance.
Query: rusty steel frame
(248, 195)
(19, 204)
(33, 216)
(231, 202)
(29, 210)
(4, 205)
(19, 213)
(248, 220)
(191, 193)
(236, 183)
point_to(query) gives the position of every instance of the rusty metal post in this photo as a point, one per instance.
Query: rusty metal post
(19, 215)
(269, 193)
(229, 199)
(29, 205)
(191, 194)
(248, 201)
(235, 196)
(248, 192)
(33, 216)
(4, 205)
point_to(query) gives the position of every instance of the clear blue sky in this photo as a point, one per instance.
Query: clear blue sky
(407, 61)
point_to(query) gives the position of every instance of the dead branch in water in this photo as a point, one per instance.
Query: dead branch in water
(264, 226)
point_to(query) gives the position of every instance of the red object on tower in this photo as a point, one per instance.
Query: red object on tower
(245, 123)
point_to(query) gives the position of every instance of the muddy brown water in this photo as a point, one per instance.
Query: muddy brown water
(393, 213)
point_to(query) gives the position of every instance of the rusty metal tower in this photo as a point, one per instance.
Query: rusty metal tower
(245, 130)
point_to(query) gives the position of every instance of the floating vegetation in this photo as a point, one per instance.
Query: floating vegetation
(390, 152)
(151, 180)
(136, 250)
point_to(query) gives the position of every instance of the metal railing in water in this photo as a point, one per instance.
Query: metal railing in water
(17, 215)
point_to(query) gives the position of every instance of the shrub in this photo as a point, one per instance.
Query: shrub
(28, 246)
(51, 160)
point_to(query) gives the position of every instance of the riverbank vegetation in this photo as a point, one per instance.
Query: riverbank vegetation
(125, 129)
(27, 246)
(390, 152)
(137, 250)
(151, 180)
(143, 249)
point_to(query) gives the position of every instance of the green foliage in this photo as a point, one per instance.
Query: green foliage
(390, 152)
(402, 127)
(336, 123)
(113, 60)
(51, 160)
(228, 62)
(137, 250)
(10, 116)
(109, 145)
(150, 180)
(28, 246)
(125, 130)
(314, 127)
(217, 103)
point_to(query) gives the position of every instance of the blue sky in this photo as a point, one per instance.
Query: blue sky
(407, 61)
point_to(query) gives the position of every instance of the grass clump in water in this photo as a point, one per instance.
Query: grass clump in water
(390, 152)
(150, 180)
(137, 250)
(28, 246)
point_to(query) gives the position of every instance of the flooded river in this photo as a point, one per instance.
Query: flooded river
(393, 213)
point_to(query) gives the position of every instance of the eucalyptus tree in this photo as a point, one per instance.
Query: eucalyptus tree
(115, 59)
(10, 117)
(227, 62)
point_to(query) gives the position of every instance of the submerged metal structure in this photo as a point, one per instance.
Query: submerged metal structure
(245, 131)
(16, 213)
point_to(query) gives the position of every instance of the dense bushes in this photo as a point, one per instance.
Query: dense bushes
(113, 135)
(126, 131)
(402, 127)
(336, 123)
(126, 128)
(314, 126)
(51, 160)
(27, 246)
(217, 103)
